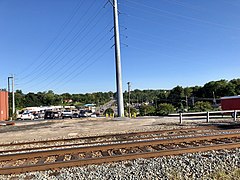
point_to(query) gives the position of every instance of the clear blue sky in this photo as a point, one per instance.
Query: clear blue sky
(65, 45)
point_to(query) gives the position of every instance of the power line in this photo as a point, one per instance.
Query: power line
(67, 46)
(65, 24)
(73, 74)
(69, 68)
(45, 62)
(181, 16)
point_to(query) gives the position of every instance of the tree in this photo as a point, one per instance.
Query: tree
(236, 84)
(176, 95)
(202, 106)
(147, 110)
(165, 109)
(220, 88)
(19, 99)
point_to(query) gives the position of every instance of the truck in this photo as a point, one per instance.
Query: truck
(230, 103)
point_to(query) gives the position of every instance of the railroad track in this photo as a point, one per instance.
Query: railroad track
(106, 139)
(97, 154)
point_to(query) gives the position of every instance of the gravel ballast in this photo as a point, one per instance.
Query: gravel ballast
(187, 166)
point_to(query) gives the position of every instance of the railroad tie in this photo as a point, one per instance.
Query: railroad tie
(60, 158)
(88, 155)
(42, 160)
(105, 153)
(74, 156)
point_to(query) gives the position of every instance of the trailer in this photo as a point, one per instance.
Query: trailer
(230, 103)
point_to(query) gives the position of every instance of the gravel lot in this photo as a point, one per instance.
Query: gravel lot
(188, 166)
(57, 129)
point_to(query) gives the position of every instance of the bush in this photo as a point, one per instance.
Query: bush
(109, 111)
(147, 110)
(165, 109)
(202, 106)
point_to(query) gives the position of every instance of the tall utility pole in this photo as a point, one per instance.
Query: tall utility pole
(129, 90)
(13, 95)
(118, 61)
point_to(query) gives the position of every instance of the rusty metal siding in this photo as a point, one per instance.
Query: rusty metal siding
(3, 105)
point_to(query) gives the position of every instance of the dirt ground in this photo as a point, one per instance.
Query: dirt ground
(57, 129)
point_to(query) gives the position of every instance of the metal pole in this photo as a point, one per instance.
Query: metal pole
(187, 103)
(13, 97)
(9, 95)
(129, 89)
(118, 61)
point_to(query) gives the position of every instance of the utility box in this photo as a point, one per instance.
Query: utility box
(3, 105)
(230, 103)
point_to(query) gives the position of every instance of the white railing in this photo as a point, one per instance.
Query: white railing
(207, 115)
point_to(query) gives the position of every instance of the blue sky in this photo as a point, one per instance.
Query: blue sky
(66, 45)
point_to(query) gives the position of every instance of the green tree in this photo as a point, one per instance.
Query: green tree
(165, 109)
(236, 84)
(147, 110)
(202, 106)
(176, 95)
(219, 88)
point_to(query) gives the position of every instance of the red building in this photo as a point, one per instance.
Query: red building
(230, 103)
(3, 105)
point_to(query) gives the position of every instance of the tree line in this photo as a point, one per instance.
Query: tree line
(196, 98)
(154, 101)
(49, 98)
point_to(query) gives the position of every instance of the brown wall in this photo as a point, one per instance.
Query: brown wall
(3, 105)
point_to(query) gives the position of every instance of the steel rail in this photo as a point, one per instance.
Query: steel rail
(101, 160)
(112, 141)
(111, 146)
(104, 159)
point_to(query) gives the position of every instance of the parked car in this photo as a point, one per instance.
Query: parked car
(82, 114)
(51, 115)
(35, 114)
(19, 114)
(67, 114)
(27, 116)
(94, 115)
(75, 115)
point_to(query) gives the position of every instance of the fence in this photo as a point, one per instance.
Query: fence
(207, 115)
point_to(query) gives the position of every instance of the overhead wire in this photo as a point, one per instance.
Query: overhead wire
(67, 46)
(185, 5)
(45, 62)
(74, 64)
(63, 27)
(73, 74)
(180, 15)
(54, 62)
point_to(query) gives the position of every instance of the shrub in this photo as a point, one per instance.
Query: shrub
(202, 106)
(165, 109)
(109, 111)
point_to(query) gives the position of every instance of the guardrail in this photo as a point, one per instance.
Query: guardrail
(233, 113)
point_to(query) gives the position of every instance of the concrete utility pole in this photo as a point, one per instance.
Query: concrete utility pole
(129, 90)
(118, 61)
